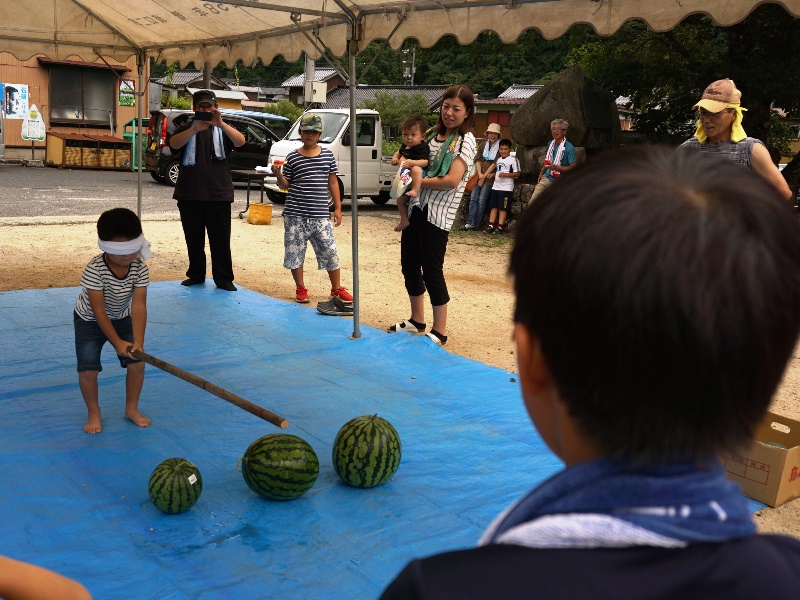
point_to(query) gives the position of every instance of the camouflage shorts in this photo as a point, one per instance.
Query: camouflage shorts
(298, 231)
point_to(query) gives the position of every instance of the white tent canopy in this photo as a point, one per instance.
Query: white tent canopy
(201, 31)
(229, 30)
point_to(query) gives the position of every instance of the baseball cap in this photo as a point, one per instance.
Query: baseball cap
(310, 122)
(719, 95)
(201, 96)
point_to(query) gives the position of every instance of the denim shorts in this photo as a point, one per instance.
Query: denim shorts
(89, 340)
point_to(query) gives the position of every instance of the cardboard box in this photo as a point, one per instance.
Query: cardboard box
(768, 473)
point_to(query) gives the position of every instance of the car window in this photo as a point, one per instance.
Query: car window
(332, 124)
(365, 132)
(181, 119)
(254, 134)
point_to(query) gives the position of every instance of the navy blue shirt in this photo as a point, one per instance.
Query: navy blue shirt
(762, 566)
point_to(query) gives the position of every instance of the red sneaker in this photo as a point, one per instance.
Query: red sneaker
(301, 295)
(342, 294)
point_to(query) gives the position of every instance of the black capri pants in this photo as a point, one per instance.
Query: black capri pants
(422, 249)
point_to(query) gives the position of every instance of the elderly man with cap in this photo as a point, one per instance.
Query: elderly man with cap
(204, 190)
(720, 132)
(484, 167)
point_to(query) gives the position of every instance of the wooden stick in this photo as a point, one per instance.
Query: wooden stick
(210, 387)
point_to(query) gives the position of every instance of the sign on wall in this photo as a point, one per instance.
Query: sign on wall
(127, 89)
(15, 100)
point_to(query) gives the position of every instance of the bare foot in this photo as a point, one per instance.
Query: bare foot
(412, 193)
(137, 418)
(93, 425)
(402, 225)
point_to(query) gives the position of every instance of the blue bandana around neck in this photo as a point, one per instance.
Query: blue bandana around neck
(217, 148)
(590, 503)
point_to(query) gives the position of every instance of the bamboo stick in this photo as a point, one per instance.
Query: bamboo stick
(210, 387)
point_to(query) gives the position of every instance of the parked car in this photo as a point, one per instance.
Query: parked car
(164, 163)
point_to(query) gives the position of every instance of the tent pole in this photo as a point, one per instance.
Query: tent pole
(137, 140)
(351, 54)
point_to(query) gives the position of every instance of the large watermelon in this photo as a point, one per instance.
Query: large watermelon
(280, 466)
(175, 485)
(366, 451)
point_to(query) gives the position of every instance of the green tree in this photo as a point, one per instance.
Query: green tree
(664, 74)
(488, 66)
(284, 108)
(394, 108)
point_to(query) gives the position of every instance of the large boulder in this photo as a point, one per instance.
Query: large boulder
(590, 110)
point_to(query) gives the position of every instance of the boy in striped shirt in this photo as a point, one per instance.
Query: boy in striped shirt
(309, 174)
(112, 307)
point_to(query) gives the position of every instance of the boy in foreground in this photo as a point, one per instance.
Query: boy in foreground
(309, 173)
(657, 304)
(112, 307)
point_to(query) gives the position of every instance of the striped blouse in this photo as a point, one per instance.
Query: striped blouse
(443, 204)
(117, 292)
(308, 179)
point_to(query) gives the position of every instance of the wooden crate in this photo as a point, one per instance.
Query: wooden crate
(66, 149)
(89, 156)
(89, 152)
(114, 153)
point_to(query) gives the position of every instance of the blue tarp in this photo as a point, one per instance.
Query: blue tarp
(79, 504)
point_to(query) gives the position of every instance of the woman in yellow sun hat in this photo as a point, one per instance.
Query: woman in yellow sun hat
(719, 131)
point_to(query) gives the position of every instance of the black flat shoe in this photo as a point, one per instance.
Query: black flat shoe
(188, 282)
(226, 285)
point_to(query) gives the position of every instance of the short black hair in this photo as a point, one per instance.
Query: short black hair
(413, 121)
(664, 290)
(118, 223)
(506, 142)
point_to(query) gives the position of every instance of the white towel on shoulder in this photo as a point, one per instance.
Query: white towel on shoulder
(217, 150)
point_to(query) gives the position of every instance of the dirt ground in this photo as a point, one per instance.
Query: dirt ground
(42, 252)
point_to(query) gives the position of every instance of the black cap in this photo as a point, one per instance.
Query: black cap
(204, 96)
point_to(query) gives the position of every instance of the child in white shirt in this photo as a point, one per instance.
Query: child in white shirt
(506, 170)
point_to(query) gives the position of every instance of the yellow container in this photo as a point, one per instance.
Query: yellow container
(260, 213)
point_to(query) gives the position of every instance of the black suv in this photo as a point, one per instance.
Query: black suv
(164, 163)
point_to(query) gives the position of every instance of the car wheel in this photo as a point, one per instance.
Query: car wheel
(381, 198)
(275, 197)
(173, 169)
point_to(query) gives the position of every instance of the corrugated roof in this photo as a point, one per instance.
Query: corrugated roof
(300, 80)
(227, 94)
(520, 91)
(339, 97)
(183, 77)
(275, 91)
(509, 101)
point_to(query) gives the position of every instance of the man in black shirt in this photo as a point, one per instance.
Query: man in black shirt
(204, 191)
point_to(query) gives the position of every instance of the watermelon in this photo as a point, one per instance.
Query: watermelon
(366, 451)
(280, 466)
(175, 485)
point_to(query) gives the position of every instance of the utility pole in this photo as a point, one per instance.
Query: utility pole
(409, 71)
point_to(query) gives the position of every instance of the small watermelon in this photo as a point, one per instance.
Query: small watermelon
(280, 466)
(175, 485)
(366, 451)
